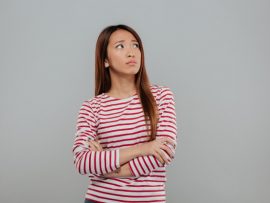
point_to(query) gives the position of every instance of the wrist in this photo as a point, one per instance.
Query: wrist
(140, 148)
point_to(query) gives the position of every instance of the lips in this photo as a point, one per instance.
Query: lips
(131, 62)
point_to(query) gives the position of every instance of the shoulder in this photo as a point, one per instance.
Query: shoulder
(162, 92)
(92, 104)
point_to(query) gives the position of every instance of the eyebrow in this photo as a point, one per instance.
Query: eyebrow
(120, 41)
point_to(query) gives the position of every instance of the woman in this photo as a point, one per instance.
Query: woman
(126, 134)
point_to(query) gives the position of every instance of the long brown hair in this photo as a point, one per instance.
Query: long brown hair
(103, 79)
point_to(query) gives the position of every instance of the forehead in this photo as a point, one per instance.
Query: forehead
(121, 35)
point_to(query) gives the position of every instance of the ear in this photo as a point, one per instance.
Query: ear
(106, 63)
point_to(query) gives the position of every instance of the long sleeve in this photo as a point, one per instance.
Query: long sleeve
(166, 127)
(85, 160)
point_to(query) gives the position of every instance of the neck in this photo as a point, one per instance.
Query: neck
(122, 87)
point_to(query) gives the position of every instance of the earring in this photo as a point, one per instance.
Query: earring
(106, 65)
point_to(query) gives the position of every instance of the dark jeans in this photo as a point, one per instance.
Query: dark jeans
(88, 201)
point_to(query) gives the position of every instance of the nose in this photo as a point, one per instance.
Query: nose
(130, 52)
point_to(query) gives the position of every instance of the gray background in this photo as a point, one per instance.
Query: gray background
(214, 55)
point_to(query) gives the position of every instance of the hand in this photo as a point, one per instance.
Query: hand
(94, 145)
(159, 148)
(123, 171)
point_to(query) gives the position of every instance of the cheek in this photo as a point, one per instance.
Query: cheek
(112, 57)
(115, 55)
(140, 57)
(139, 54)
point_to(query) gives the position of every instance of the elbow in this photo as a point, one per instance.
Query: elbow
(79, 164)
(79, 169)
(83, 169)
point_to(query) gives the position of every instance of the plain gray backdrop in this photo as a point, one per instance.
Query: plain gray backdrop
(214, 55)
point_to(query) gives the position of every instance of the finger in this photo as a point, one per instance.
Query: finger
(166, 159)
(92, 146)
(97, 145)
(159, 158)
(100, 147)
(168, 150)
(170, 141)
(163, 139)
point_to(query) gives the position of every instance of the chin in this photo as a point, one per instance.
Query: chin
(133, 72)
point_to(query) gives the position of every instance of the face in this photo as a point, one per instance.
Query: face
(123, 54)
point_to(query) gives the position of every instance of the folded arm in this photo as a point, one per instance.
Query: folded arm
(101, 162)
(156, 147)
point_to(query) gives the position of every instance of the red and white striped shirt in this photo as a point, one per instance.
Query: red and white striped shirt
(119, 123)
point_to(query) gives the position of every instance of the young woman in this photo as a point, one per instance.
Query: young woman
(126, 134)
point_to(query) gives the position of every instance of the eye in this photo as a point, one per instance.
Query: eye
(119, 46)
(136, 45)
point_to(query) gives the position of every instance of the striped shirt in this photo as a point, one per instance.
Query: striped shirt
(119, 123)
